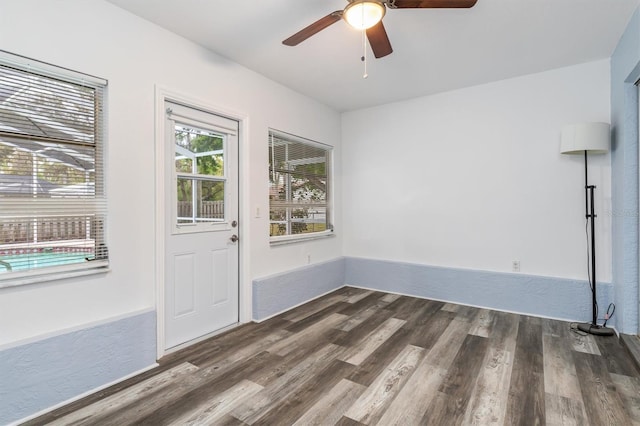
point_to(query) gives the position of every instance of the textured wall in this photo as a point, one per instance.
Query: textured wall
(625, 71)
(278, 293)
(43, 373)
(535, 295)
(134, 55)
(474, 178)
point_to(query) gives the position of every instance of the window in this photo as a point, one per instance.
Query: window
(299, 186)
(199, 165)
(204, 146)
(52, 219)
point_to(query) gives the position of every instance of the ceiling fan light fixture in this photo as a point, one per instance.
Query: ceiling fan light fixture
(362, 14)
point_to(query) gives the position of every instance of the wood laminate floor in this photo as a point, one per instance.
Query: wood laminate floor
(358, 357)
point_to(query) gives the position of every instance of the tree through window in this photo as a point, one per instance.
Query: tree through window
(200, 175)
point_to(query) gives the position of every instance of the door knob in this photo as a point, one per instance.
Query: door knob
(234, 238)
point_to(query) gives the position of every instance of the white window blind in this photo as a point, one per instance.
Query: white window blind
(52, 196)
(299, 186)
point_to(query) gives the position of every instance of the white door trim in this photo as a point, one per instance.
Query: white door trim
(163, 94)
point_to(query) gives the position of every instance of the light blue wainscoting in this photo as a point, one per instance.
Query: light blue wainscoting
(280, 292)
(625, 71)
(528, 294)
(41, 374)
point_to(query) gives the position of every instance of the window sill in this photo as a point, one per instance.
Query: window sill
(51, 275)
(291, 239)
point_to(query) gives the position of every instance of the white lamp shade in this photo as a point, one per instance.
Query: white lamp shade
(594, 138)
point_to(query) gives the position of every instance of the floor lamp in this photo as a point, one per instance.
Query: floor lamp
(588, 138)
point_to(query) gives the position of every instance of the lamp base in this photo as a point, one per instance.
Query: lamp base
(597, 330)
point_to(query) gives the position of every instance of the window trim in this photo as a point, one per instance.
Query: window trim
(54, 273)
(329, 232)
(297, 238)
(50, 70)
(97, 266)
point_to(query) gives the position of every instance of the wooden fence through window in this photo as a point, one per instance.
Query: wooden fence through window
(48, 229)
(208, 209)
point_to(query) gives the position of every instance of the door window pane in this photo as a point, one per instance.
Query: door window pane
(199, 151)
(200, 200)
(200, 175)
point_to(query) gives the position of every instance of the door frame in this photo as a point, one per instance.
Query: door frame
(163, 94)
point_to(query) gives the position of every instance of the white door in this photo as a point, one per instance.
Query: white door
(201, 243)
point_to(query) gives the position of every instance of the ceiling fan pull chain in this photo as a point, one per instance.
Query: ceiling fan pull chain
(364, 53)
(364, 47)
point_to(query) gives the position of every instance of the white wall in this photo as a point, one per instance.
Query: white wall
(97, 38)
(474, 179)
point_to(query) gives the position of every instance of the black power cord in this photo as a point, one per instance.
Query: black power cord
(611, 309)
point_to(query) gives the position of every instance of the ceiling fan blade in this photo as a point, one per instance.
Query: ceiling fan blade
(314, 28)
(425, 4)
(379, 40)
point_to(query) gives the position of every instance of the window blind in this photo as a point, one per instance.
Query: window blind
(299, 185)
(52, 195)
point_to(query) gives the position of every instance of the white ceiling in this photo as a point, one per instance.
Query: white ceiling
(435, 50)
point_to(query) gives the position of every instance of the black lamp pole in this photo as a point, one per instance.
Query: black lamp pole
(590, 214)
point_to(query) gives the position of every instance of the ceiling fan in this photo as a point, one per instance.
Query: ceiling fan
(367, 15)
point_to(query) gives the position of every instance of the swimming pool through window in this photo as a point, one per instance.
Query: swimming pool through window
(52, 193)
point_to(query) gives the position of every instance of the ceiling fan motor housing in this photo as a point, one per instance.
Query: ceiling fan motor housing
(364, 14)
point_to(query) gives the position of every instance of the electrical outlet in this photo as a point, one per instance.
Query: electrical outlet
(515, 266)
(308, 258)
